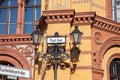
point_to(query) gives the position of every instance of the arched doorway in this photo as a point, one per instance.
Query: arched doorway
(13, 58)
(5, 77)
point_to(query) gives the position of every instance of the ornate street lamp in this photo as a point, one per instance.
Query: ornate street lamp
(55, 54)
(36, 36)
(76, 35)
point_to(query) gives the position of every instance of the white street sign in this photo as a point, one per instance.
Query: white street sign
(60, 39)
(13, 71)
(12, 77)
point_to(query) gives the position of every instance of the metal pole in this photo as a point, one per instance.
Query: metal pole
(55, 69)
(55, 57)
(55, 61)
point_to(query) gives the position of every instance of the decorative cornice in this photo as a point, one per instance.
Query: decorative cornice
(106, 24)
(58, 16)
(65, 16)
(15, 39)
(83, 18)
(78, 18)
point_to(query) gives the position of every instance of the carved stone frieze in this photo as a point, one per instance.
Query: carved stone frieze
(26, 50)
(21, 55)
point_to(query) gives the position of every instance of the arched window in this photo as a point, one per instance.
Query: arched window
(115, 69)
(8, 16)
(116, 10)
(32, 13)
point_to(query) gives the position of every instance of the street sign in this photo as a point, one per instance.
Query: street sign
(12, 77)
(13, 71)
(60, 39)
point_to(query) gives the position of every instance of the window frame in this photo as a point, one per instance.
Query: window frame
(34, 7)
(114, 69)
(109, 10)
(9, 9)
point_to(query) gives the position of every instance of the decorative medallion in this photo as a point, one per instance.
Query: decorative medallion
(59, 4)
(97, 37)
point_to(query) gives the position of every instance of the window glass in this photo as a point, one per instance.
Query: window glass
(32, 13)
(29, 18)
(13, 15)
(2, 28)
(13, 2)
(116, 10)
(30, 2)
(8, 17)
(38, 13)
(12, 29)
(38, 2)
(5, 3)
(28, 28)
(3, 15)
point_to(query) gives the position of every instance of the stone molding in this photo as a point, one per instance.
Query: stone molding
(58, 16)
(64, 16)
(108, 43)
(15, 39)
(97, 73)
(83, 18)
(96, 70)
(107, 24)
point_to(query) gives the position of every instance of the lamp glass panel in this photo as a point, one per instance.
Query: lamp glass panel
(80, 37)
(76, 37)
(35, 38)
